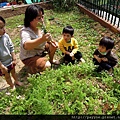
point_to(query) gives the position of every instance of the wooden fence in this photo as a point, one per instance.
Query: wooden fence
(107, 12)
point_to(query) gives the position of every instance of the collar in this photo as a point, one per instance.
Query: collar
(69, 41)
(103, 53)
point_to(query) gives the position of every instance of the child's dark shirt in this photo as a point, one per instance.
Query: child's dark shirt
(112, 58)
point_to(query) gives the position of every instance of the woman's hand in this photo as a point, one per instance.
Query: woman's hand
(53, 43)
(47, 37)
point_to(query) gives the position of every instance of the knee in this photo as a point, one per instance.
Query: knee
(78, 55)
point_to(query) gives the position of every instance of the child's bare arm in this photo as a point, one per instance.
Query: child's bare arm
(66, 52)
(97, 58)
(14, 58)
(104, 59)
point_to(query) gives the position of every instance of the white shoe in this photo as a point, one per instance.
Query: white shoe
(13, 88)
(82, 60)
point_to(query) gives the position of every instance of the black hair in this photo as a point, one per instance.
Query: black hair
(108, 42)
(2, 19)
(31, 13)
(68, 29)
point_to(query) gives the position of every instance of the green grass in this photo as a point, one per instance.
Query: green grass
(69, 89)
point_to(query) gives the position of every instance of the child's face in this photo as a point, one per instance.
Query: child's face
(102, 49)
(2, 28)
(67, 37)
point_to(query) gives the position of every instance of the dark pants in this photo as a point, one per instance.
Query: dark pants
(10, 67)
(77, 55)
(103, 65)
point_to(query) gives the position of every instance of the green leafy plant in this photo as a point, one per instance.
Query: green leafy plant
(67, 90)
(64, 4)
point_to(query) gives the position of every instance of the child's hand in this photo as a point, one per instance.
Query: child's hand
(66, 52)
(73, 58)
(99, 59)
(104, 59)
(14, 62)
(71, 54)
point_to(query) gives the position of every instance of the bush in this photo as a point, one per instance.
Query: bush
(64, 4)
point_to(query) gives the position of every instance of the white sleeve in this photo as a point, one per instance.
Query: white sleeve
(25, 35)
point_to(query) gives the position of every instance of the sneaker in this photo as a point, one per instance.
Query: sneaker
(99, 69)
(13, 88)
(82, 60)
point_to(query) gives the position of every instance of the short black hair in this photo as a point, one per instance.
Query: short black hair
(2, 19)
(32, 11)
(108, 42)
(68, 29)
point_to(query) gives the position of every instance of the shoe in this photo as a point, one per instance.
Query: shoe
(56, 62)
(110, 72)
(13, 88)
(82, 60)
(99, 69)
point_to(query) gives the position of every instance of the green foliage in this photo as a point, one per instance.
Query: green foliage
(64, 4)
(68, 90)
(14, 23)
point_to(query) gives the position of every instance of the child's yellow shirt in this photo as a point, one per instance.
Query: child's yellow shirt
(72, 46)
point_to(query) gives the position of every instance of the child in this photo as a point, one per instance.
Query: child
(7, 56)
(69, 46)
(103, 55)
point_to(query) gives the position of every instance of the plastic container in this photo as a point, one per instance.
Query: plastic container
(3, 4)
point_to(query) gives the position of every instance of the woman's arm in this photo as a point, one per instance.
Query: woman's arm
(31, 44)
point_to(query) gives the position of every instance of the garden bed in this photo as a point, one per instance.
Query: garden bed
(74, 89)
(19, 9)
